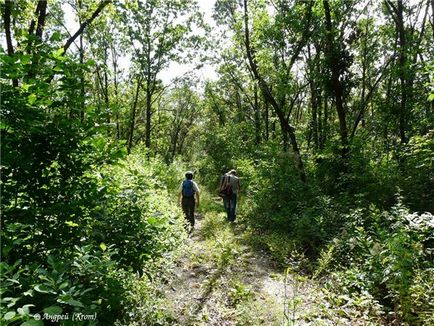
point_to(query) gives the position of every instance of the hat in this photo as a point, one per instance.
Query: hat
(189, 173)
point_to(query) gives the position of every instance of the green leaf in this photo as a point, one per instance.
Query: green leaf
(63, 285)
(9, 315)
(103, 246)
(53, 310)
(31, 99)
(42, 288)
(57, 36)
(58, 54)
(25, 86)
(153, 221)
(71, 224)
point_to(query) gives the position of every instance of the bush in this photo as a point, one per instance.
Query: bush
(129, 224)
(391, 254)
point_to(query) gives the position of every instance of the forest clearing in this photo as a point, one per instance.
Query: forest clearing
(297, 136)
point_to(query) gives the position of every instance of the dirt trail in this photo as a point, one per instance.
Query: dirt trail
(221, 281)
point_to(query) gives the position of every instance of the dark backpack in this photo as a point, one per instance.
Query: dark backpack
(226, 188)
(187, 188)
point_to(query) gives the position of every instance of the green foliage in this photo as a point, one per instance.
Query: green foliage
(278, 202)
(83, 225)
(387, 254)
(418, 177)
(135, 215)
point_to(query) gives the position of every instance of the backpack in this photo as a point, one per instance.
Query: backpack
(226, 188)
(187, 188)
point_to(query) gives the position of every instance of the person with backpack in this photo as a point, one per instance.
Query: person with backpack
(229, 189)
(189, 191)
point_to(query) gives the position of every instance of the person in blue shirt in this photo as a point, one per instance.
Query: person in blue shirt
(188, 198)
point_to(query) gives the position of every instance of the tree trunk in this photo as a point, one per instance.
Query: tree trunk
(402, 73)
(7, 10)
(148, 113)
(286, 127)
(336, 85)
(257, 116)
(115, 80)
(325, 124)
(267, 121)
(133, 115)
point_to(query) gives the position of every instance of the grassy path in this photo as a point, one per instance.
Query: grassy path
(221, 280)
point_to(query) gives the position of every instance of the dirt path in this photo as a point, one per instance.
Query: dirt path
(221, 280)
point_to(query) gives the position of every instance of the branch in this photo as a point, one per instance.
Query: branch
(368, 97)
(393, 11)
(294, 100)
(85, 24)
(304, 36)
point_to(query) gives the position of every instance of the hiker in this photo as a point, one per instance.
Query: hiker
(189, 190)
(229, 189)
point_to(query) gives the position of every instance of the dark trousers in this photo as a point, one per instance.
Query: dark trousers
(230, 204)
(188, 204)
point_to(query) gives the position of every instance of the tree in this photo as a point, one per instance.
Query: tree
(159, 32)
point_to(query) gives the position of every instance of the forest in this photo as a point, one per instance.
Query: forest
(325, 108)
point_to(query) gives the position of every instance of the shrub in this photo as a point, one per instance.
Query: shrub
(392, 254)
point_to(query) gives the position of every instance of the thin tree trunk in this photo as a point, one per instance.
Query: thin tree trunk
(7, 11)
(333, 58)
(115, 80)
(133, 115)
(402, 73)
(286, 127)
(82, 91)
(105, 89)
(325, 124)
(257, 116)
(267, 121)
(148, 114)
(397, 13)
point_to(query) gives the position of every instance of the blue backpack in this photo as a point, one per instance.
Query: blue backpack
(187, 188)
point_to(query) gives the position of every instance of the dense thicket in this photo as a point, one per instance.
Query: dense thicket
(325, 108)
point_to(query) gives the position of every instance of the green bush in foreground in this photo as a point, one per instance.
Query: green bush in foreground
(131, 228)
(388, 254)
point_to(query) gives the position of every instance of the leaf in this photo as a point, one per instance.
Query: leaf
(63, 285)
(103, 246)
(42, 288)
(71, 224)
(53, 310)
(152, 220)
(13, 280)
(58, 54)
(31, 99)
(29, 293)
(9, 315)
(57, 36)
